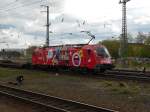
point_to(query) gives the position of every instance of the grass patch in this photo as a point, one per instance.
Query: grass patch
(10, 74)
(108, 83)
(134, 65)
(121, 88)
(13, 71)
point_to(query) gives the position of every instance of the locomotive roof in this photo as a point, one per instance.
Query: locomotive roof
(74, 46)
(68, 45)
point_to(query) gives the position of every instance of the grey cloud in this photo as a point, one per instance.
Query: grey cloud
(29, 21)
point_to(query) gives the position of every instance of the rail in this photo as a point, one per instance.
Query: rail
(55, 104)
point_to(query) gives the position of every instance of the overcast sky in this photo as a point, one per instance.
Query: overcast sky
(22, 22)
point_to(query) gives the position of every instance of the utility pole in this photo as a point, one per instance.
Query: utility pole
(47, 25)
(124, 39)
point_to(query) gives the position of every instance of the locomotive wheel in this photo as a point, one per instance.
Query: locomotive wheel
(84, 70)
(94, 72)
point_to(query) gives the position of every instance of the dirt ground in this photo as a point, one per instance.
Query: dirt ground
(124, 96)
(11, 105)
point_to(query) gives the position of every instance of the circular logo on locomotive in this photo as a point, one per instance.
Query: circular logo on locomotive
(76, 59)
(50, 54)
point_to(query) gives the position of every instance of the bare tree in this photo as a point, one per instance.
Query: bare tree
(140, 37)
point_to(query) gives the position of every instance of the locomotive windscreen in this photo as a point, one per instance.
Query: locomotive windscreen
(103, 52)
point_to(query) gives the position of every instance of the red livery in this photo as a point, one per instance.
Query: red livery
(83, 56)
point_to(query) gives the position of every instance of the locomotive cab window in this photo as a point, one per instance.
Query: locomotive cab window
(103, 52)
(89, 51)
(34, 53)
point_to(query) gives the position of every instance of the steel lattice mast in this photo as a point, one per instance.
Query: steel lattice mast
(47, 25)
(47, 28)
(124, 39)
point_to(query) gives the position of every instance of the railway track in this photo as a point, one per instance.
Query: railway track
(49, 103)
(131, 71)
(116, 73)
(128, 74)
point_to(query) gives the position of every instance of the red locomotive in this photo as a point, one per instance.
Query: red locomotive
(82, 56)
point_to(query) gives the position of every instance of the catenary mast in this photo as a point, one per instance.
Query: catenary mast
(124, 39)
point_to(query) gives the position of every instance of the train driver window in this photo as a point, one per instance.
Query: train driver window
(34, 53)
(89, 51)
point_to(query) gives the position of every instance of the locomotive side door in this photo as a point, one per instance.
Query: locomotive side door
(89, 58)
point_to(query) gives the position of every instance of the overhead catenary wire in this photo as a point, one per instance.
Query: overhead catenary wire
(19, 3)
(8, 4)
(21, 6)
(6, 13)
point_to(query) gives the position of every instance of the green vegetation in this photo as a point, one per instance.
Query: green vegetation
(138, 54)
(138, 46)
(134, 49)
(29, 52)
(7, 74)
(112, 46)
(11, 73)
(121, 88)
